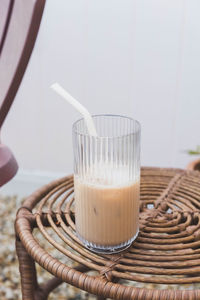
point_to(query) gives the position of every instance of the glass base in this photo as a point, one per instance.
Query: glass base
(107, 249)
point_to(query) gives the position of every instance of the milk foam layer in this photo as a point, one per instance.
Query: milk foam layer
(107, 174)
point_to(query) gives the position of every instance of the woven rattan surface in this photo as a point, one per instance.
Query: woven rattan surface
(163, 262)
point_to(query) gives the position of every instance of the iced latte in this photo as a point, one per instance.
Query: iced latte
(106, 183)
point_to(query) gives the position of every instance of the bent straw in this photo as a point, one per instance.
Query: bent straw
(78, 106)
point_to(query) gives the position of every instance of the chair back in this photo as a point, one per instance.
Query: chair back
(19, 25)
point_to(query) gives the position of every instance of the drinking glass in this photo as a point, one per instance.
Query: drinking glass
(107, 182)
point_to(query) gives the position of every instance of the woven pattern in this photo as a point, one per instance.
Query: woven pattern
(167, 250)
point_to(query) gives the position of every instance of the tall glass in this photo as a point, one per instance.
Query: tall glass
(106, 182)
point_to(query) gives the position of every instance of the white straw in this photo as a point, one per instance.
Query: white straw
(85, 113)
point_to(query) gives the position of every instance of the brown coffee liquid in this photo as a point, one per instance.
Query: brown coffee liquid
(106, 214)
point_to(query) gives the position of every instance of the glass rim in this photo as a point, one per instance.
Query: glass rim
(137, 131)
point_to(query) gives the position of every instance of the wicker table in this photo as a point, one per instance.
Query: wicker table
(163, 263)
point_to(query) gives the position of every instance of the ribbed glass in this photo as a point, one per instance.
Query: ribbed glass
(106, 182)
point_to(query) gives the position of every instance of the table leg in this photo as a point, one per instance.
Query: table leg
(27, 271)
(31, 290)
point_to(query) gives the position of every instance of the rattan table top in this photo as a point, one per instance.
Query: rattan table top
(163, 262)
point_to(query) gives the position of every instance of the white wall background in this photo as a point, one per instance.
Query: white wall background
(139, 58)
